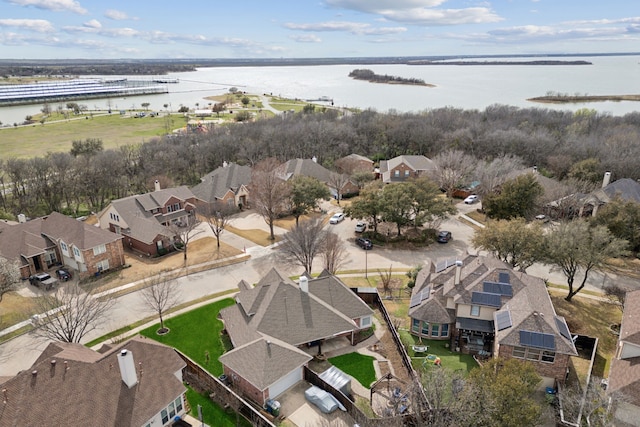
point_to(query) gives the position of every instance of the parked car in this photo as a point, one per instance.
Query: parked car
(63, 274)
(325, 401)
(43, 280)
(364, 243)
(336, 218)
(444, 236)
(472, 199)
(360, 226)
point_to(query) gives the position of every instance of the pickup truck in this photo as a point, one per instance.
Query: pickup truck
(43, 280)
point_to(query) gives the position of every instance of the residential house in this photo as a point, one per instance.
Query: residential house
(483, 307)
(354, 163)
(137, 383)
(404, 167)
(272, 324)
(624, 375)
(144, 220)
(310, 167)
(40, 245)
(227, 185)
(626, 189)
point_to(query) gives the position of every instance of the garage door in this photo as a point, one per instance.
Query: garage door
(284, 383)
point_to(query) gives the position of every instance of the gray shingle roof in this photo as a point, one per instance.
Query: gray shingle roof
(217, 183)
(306, 167)
(417, 163)
(331, 290)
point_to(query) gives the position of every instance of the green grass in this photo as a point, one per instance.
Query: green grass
(195, 333)
(359, 366)
(448, 359)
(212, 414)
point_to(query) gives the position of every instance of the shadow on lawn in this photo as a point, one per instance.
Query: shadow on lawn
(448, 359)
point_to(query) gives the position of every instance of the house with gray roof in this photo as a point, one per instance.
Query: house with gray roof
(311, 168)
(402, 168)
(624, 374)
(281, 317)
(137, 383)
(483, 307)
(143, 220)
(228, 184)
(42, 244)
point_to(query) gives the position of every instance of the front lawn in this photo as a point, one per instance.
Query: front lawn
(359, 366)
(196, 334)
(448, 359)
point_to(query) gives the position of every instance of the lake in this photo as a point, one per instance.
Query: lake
(466, 87)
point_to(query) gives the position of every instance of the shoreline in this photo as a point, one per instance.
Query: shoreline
(560, 99)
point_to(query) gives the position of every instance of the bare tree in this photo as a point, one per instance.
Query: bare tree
(590, 405)
(184, 232)
(160, 295)
(334, 253)
(494, 173)
(454, 169)
(268, 191)
(9, 276)
(386, 280)
(303, 243)
(70, 313)
(336, 182)
(616, 294)
(218, 215)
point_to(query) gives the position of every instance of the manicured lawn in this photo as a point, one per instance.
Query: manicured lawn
(195, 333)
(448, 359)
(257, 236)
(212, 414)
(359, 366)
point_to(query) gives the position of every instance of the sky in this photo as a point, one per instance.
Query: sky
(164, 29)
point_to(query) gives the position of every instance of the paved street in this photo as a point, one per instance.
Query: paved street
(19, 353)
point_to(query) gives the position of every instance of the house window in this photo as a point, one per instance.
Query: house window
(365, 322)
(434, 330)
(519, 352)
(99, 250)
(406, 173)
(425, 328)
(76, 252)
(172, 410)
(114, 217)
(475, 310)
(103, 265)
(548, 356)
(415, 325)
(173, 208)
(64, 247)
(396, 173)
(165, 416)
(179, 404)
(51, 258)
(533, 354)
(444, 332)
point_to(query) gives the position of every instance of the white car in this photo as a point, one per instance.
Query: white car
(361, 226)
(336, 218)
(472, 199)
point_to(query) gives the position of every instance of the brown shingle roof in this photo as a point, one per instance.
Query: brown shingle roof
(91, 392)
(331, 290)
(71, 231)
(624, 376)
(217, 183)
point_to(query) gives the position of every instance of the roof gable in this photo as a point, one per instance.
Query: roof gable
(216, 184)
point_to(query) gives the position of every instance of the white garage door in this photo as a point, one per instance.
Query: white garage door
(284, 383)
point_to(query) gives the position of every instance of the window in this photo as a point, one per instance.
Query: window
(179, 404)
(435, 329)
(475, 310)
(415, 325)
(172, 410)
(444, 332)
(99, 250)
(76, 252)
(519, 352)
(173, 208)
(548, 356)
(165, 416)
(365, 322)
(64, 247)
(425, 328)
(406, 173)
(396, 173)
(114, 217)
(103, 265)
(533, 354)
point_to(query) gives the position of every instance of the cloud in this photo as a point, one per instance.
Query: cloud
(37, 25)
(117, 15)
(94, 23)
(306, 38)
(357, 28)
(378, 6)
(54, 5)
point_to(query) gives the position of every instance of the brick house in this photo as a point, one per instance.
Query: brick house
(404, 167)
(483, 307)
(40, 245)
(311, 168)
(227, 185)
(137, 383)
(144, 220)
(272, 324)
(354, 163)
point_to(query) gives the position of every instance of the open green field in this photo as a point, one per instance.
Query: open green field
(56, 136)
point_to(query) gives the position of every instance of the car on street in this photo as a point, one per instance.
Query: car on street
(361, 226)
(444, 236)
(364, 243)
(472, 199)
(63, 274)
(336, 218)
(43, 280)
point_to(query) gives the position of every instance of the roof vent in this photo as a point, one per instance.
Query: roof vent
(34, 373)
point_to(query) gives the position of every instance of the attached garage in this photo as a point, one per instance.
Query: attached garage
(285, 383)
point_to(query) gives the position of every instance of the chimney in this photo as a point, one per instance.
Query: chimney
(225, 164)
(127, 368)
(157, 185)
(315, 159)
(304, 284)
(607, 179)
(535, 169)
(458, 272)
(22, 218)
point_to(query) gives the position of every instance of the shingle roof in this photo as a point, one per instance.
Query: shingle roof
(624, 376)
(217, 183)
(417, 163)
(88, 389)
(264, 361)
(77, 233)
(306, 167)
(625, 188)
(332, 291)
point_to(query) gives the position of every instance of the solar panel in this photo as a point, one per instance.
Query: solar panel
(425, 294)
(485, 298)
(538, 340)
(562, 327)
(415, 299)
(498, 288)
(504, 278)
(503, 320)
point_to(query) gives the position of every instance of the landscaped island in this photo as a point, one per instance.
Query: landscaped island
(570, 99)
(544, 62)
(370, 76)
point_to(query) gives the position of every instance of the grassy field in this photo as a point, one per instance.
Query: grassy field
(359, 366)
(56, 136)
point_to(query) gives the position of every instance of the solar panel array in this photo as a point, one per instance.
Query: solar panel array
(503, 320)
(418, 297)
(504, 278)
(562, 327)
(537, 340)
(498, 288)
(485, 298)
(444, 264)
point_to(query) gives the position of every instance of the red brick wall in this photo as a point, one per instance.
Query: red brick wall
(114, 253)
(557, 369)
(245, 386)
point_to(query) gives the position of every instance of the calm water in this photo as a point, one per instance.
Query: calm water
(467, 87)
